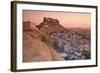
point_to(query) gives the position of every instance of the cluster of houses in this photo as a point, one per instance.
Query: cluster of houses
(70, 45)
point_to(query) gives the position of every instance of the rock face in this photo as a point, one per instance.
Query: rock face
(29, 26)
(35, 50)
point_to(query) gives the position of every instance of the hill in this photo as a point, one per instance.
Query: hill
(50, 41)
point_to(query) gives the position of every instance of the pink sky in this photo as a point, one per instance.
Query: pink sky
(67, 19)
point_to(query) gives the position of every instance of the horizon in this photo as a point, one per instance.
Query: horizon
(62, 25)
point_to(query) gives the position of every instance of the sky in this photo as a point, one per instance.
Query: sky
(66, 19)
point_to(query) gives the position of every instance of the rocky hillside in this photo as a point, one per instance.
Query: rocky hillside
(36, 50)
(50, 41)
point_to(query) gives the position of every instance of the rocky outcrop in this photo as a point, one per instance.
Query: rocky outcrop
(50, 25)
(34, 50)
(29, 26)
